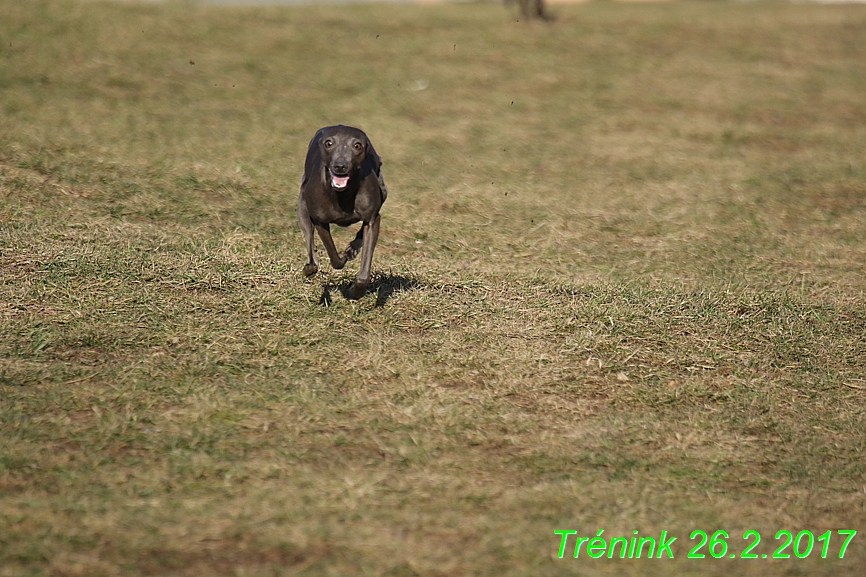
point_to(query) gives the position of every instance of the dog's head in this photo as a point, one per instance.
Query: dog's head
(343, 150)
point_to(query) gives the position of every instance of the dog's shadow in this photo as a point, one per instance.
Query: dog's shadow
(384, 285)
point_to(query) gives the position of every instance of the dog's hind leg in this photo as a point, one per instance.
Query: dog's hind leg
(354, 247)
(338, 261)
(312, 266)
(370, 232)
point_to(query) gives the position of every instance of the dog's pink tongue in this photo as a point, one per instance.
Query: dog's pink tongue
(339, 181)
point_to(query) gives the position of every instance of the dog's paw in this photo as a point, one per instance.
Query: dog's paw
(310, 269)
(357, 290)
(350, 253)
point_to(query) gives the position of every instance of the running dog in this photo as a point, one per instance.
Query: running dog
(342, 184)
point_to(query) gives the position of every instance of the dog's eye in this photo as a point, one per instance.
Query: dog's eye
(329, 143)
(357, 146)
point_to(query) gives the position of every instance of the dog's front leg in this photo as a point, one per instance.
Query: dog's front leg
(312, 266)
(370, 231)
(354, 247)
(337, 261)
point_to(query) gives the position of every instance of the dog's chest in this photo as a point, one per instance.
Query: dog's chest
(341, 209)
(345, 207)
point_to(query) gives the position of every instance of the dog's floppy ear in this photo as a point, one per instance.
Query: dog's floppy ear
(372, 155)
(313, 163)
(376, 161)
(314, 142)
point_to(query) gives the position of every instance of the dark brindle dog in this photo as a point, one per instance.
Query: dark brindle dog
(342, 184)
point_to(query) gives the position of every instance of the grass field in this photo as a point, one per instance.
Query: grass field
(619, 285)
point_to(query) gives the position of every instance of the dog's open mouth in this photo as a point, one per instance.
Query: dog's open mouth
(337, 181)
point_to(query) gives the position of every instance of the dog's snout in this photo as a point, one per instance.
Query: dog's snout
(340, 167)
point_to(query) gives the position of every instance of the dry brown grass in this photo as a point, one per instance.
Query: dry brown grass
(619, 285)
